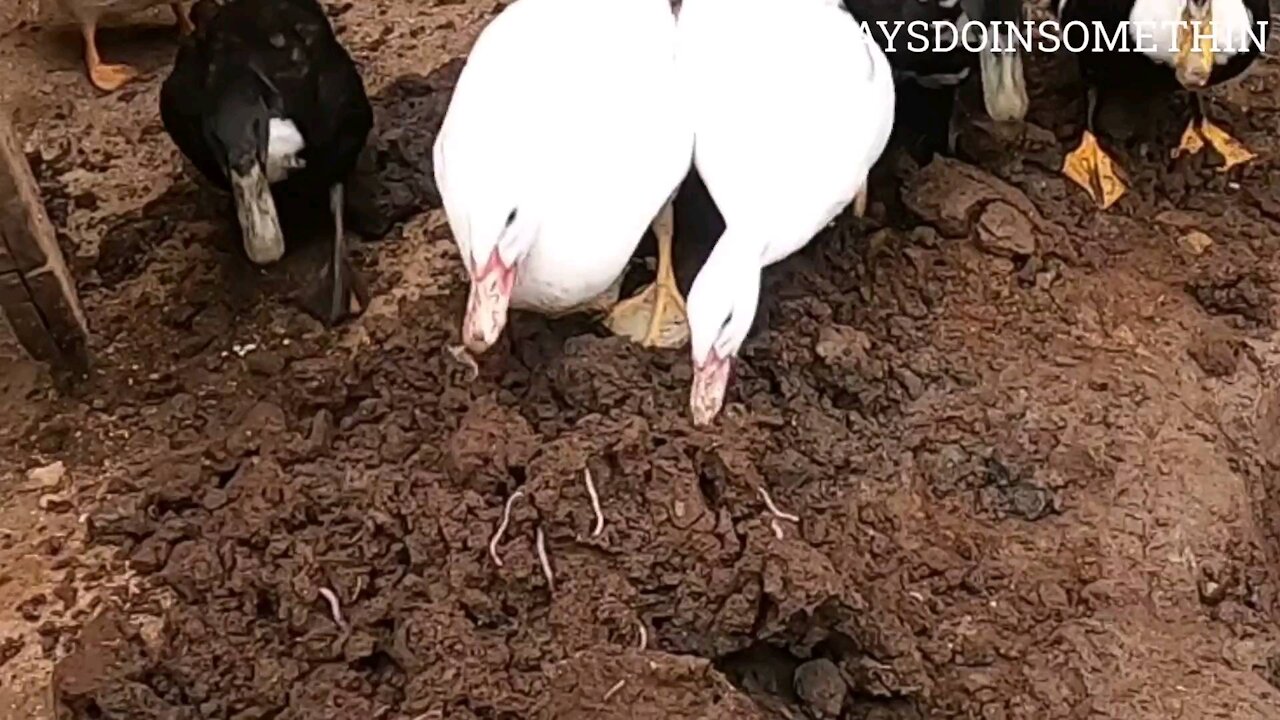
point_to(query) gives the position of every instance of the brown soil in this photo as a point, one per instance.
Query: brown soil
(1035, 448)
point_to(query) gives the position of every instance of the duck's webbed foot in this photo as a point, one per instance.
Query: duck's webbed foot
(107, 78)
(656, 316)
(1201, 130)
(1090, 167)
(1192, 142)
(1233, 151)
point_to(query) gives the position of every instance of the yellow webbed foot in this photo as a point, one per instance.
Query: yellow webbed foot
(1233, 151)
(656, 316)
(1091, 168)
(1192, 142)
(109, 78)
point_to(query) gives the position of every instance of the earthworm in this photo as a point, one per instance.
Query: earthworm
(502, 529)
(541, 541)
(644, 636)
(334, 608)
(595, 504)
(768, 501)
(777, 529)
(614, 690)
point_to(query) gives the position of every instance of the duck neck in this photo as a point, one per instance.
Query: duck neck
(240, 127)
(733, 273)
(240, 124)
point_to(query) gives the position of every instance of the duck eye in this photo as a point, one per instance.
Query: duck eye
(511, 217)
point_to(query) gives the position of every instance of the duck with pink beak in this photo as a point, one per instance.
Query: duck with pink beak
(780, 166)
(562, 144)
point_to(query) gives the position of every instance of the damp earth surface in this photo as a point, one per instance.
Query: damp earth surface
(1033, 448)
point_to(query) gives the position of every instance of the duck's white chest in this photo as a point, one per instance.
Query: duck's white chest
(1153, 29)
(557, 277)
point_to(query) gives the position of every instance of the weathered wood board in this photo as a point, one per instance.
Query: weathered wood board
(37, 293)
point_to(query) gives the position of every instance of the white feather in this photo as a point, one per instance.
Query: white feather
(284, 143)
(1154, 24)
(566, 112)
(791, 106)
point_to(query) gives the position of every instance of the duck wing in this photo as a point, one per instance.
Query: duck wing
(185, 101)
(785, 135)
(565, 117)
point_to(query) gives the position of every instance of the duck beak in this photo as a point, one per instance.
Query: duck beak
(1194, 63)
(487, 304)
(1004, 90)
(256, 209)
(710, 380)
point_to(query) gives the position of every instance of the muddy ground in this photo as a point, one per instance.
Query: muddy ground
(1034, 448)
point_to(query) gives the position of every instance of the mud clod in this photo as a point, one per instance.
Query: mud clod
(821, 687)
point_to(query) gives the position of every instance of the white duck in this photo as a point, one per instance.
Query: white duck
(562, 143)
(791, 105)
(87, 13)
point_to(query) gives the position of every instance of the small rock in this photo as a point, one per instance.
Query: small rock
(214, 498)
(1212, 592)
(54, 503)
(1217, 355)
(1004, 231)
(820, 685)
(48, 477)
(150, 555)
(320, 433)
(1195, 242)
(33, 607)
(9, 649)
(1030, 502)
(397, 445)
(842, 347)
(910, 382)
(924, 236)
(1178, 219)
(265, 363)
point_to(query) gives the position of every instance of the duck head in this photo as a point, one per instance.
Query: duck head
(1004, 89)
(721, 308)
(1194, 63)
(493, 261)
(237, 133)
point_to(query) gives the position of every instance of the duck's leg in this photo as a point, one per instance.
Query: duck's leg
(1090, 167)
(106, 78)
(185, 25)
(1233, 151)
(1192, 142)
(656, 316)
(339, 295)
(860, 202)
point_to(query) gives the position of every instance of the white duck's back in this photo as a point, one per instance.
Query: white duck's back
(791, 105)
(567, 110)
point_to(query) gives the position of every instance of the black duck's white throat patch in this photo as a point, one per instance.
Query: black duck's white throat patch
(284, 145)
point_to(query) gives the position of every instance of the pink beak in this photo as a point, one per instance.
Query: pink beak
(487, 304)
(710, 380)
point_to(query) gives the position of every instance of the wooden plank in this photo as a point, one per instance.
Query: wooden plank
(37, 293)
